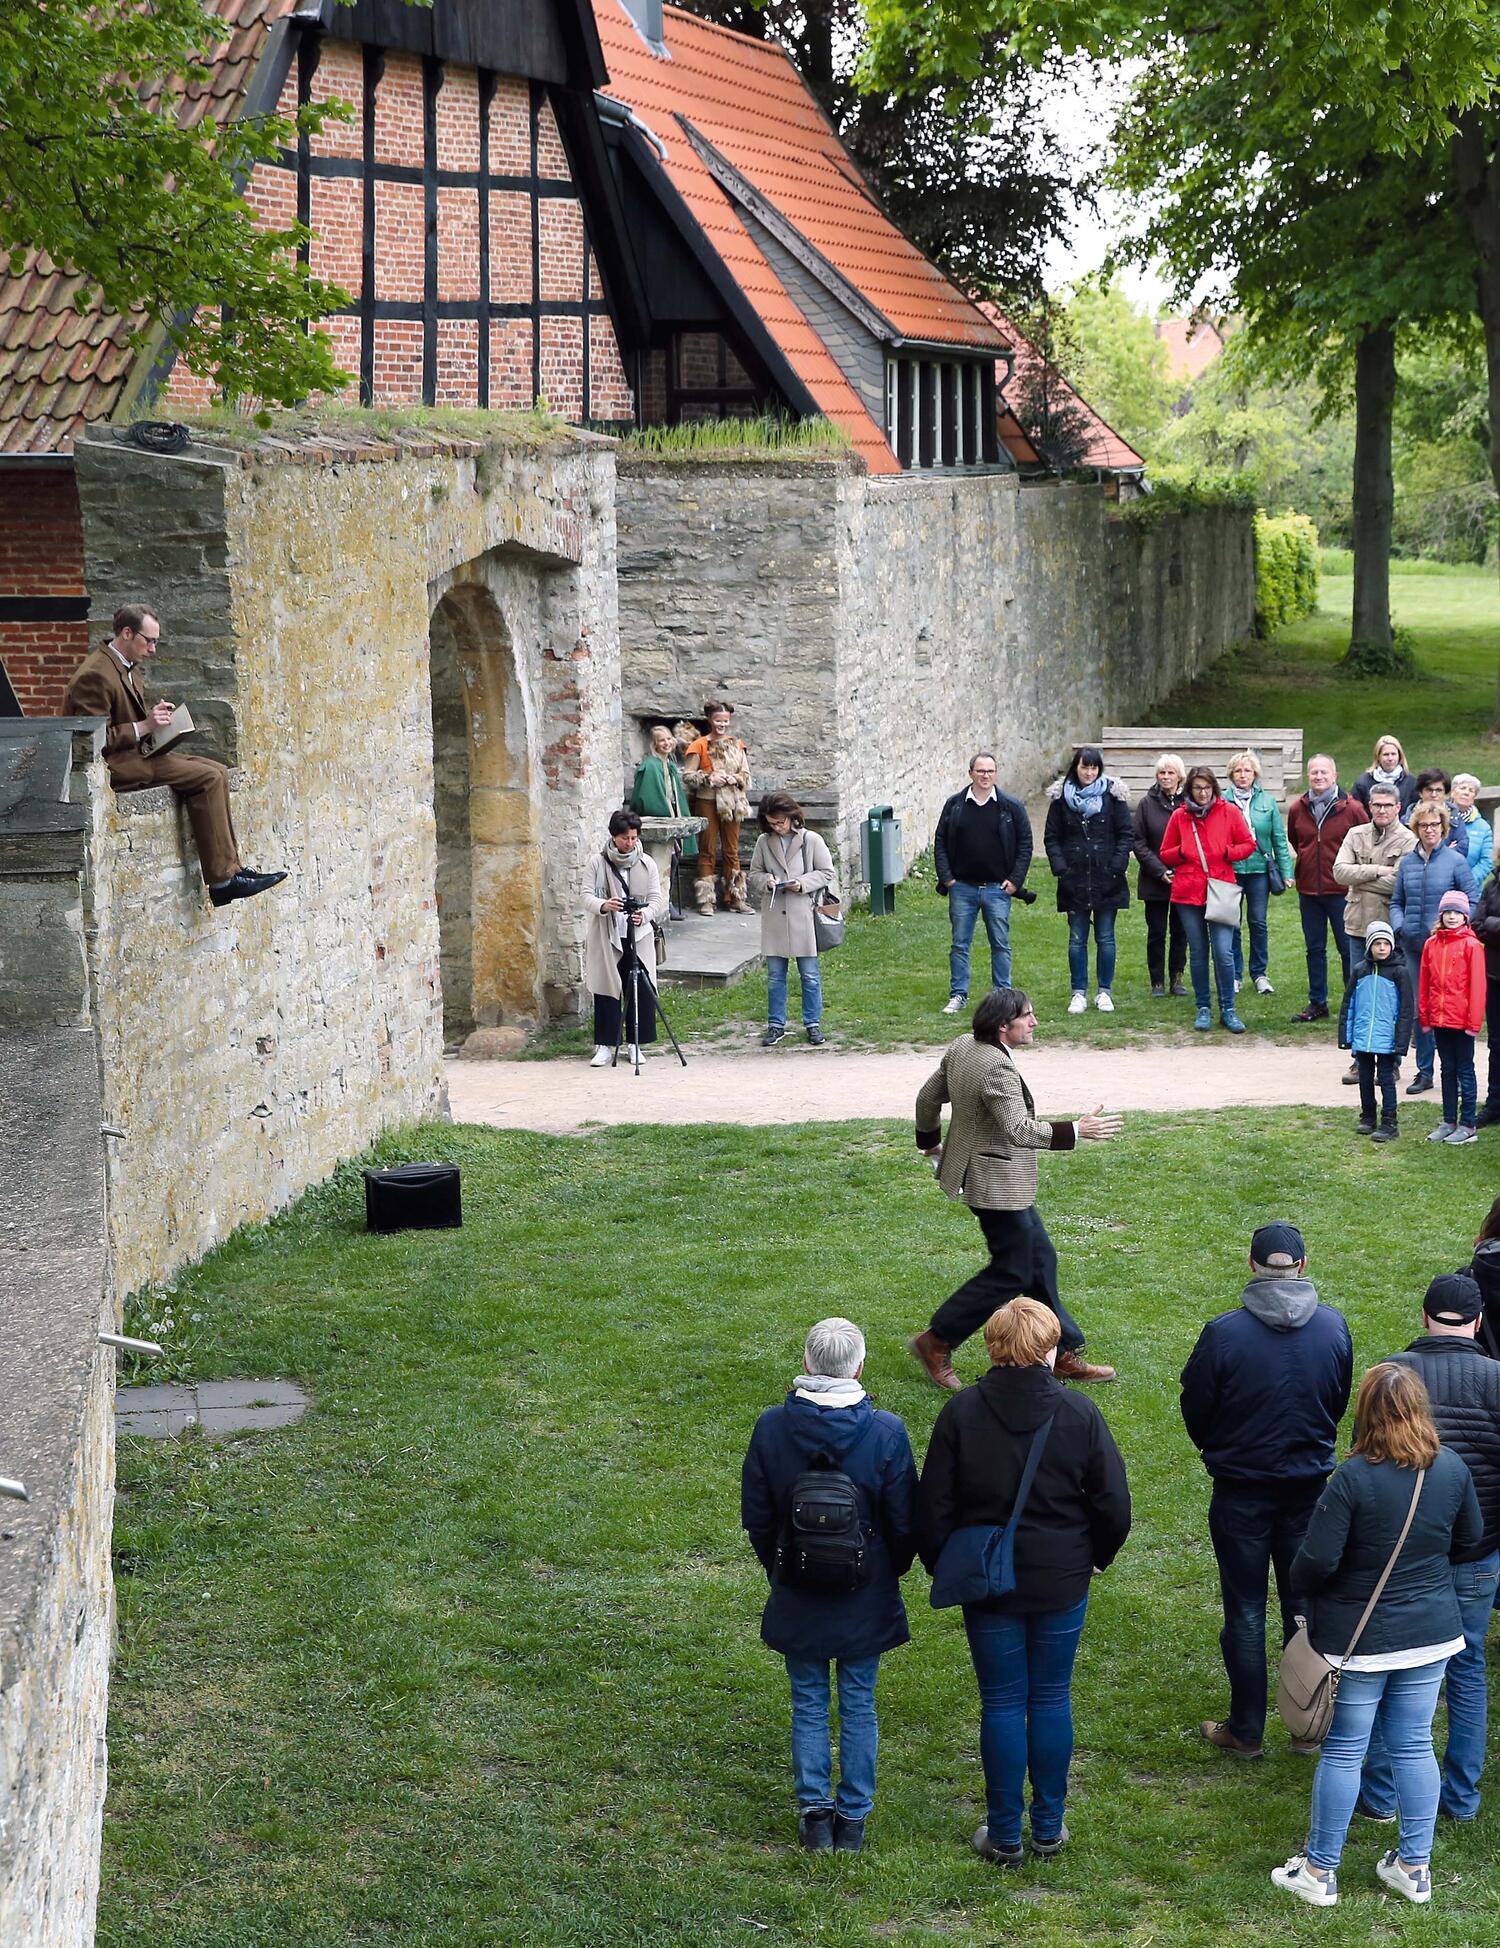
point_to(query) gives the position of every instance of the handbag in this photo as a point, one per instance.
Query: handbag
(1275, 877)
(1308, 1686)
(979, 1560)
(828, 924)
(1222, 905)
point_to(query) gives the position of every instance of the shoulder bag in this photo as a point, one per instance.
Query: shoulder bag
(658, 931)
(979, 1561)
(1308, 1686)
(1222, 902)
(827, 913)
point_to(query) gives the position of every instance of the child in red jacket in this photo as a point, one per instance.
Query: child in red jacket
(1450, 1001)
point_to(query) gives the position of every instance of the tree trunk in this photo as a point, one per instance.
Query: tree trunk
(1374, 493)
(1476, 183)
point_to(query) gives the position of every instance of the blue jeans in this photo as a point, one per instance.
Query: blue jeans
(1204, 937)
(1256, 888)
(965, 903)
(1024, 1665)
(859, 1737)
(1255, 1527)
(810, 980)
(1455, 1047)
(1474, 1585)
(1104, 948)
(1320, 912)
(1405, 1702)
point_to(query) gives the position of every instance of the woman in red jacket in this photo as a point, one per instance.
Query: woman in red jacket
(1204, 837)
(1450, 1001)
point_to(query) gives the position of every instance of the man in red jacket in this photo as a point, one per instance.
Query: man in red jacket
(1316, 823)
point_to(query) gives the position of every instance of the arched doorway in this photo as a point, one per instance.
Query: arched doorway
(489, 882)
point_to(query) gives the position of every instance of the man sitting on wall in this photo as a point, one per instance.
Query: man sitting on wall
(106, 685)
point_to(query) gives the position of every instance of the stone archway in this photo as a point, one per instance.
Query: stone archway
(489, 881)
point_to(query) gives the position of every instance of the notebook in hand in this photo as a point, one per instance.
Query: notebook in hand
(162, 737)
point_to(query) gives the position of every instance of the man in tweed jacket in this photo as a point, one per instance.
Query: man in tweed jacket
(989, 1160)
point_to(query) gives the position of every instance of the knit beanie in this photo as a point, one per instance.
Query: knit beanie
(1379, 930)
(1454, 902)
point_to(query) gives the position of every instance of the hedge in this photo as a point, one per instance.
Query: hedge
(1286, 570)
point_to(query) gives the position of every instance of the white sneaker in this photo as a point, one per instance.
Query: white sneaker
(634, 1054)
(1414, 1882)
(1079, 1005)
(1104, 1002)
(1263, 984)
(601, 1057)
(1441, 1133)
(1238, 985)
(955, 1004)
(1306, 1882)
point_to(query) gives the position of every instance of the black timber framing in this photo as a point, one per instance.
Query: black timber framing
(374, 68)
(540, 40)
(432, 81)
(309, 48)
(482, 370)
(44, 608)
(537, 98)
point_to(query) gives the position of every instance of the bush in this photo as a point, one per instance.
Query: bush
(1367, 659)
(1286, 570)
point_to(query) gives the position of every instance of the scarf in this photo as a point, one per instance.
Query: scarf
(1190, 804)
(1320, 803)
(1086, 800)
(619, 862)
(824, 1390)
(1242, 798)
(1380, 776)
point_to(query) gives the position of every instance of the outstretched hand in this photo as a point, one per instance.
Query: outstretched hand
(1100, 1125)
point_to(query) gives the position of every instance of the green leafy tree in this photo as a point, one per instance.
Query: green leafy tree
(1120, 365)
(102, 169)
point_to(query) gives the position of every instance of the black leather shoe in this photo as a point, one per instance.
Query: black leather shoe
(1314, 1011)
(848, 1834)
(1365, 1126)
(1351, 1074)
(815, 1830)
(244, 886)
(1420, 1083)
(1489, 1115)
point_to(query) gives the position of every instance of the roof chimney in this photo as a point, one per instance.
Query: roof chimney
(646, 14)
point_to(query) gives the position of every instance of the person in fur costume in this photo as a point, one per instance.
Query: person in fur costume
(716, 769)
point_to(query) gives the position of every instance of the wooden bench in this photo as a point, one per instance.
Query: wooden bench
(1131, 751)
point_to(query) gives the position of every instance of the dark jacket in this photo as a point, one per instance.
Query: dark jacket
(982, 855)
(1464, 1388)
(1485, 920)
(1266, 1386)
(1148, 823)
(1078, 1514)
(817, 1623)
(1485, 1271)
(1378, 1009)
(1089, 855)
(1407, 787)
(1349, 1541)
(1317, 846)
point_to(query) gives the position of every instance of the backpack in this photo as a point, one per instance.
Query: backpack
(823, 1543)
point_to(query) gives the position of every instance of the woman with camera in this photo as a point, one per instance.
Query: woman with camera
(625, 904)
(789, 869)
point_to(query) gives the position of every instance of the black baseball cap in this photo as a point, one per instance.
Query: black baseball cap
(1273, 1241)
(1453, 1299)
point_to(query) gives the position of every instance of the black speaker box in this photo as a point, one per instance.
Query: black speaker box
(413, 1197)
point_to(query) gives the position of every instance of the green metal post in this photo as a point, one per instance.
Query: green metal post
(882, 896)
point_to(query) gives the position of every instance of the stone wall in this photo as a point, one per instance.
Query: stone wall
(872, 633)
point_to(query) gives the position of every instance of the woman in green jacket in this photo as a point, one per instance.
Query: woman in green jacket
(1262, 814)
(658, 790)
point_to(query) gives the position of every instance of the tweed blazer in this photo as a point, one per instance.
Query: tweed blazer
(98, 688)
(989, 1156)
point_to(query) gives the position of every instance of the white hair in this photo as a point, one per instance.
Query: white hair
(835, 1347)
(1466, 778)
(1171, 757)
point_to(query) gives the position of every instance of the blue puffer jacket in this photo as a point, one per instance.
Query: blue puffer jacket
(1421, 881)
(818, 1623)
(1376, 1017)
(1479, 836)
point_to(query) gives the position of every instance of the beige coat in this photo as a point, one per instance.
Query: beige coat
(989, 1155)
(1366, 864)
(786, 923)
(601, 954)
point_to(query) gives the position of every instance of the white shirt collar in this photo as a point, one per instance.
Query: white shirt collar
(127, 666)
(969, 795)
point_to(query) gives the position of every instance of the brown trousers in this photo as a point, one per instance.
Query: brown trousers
(718, 846)
(202, 784)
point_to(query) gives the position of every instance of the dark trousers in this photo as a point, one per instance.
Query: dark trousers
(607, 1009)
(1373, 1068)
(1161, 965)
(1021, 1260)
(1320, 913)
(1492, 1029)
(1455, 1047)
(1256, 1527)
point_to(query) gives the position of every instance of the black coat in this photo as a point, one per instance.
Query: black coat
(1485, 1270)
(1012, 856)
(1149, 826)
(1349, 1541)
(1360, 789)
(1078, 1514)
(1463, 1385)
(1485, 920)
(1089, 855)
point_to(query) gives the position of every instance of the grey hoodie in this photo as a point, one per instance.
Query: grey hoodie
(1280, 1302)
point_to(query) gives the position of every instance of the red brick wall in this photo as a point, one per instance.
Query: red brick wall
(337, 206)
(41, 553)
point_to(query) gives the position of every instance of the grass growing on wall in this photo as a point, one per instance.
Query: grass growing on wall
(469, 1658)
(770, 434)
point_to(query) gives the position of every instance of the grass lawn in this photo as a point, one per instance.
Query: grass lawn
(886, 986)
(469, 1658)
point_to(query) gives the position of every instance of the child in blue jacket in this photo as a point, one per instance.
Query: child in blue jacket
(1375, 1022)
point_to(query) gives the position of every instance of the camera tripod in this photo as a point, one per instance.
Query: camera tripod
(632, 974)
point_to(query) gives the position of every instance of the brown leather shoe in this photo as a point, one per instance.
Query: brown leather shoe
(1220, 1736)
(1073, 1366)
(936, 1357)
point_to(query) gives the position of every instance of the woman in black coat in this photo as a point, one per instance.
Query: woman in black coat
(1087, 836)
(1153, 882)
(1074, 1523)
(1397, 1665)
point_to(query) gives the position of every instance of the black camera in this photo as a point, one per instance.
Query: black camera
(634, 903)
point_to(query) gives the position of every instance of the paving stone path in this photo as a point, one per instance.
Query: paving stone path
(797, 1084)
(218, 1407)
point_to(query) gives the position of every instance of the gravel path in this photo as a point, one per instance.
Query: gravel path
(797, 1084)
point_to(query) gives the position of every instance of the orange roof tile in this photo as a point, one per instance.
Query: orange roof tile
(1106, 449)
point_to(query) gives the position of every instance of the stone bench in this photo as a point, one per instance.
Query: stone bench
(1131, 751)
